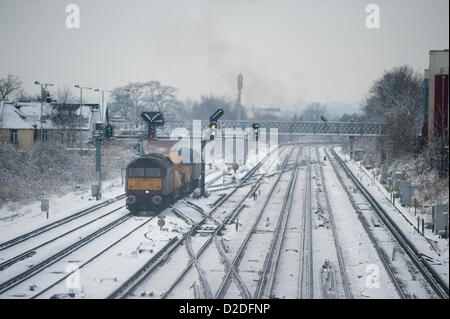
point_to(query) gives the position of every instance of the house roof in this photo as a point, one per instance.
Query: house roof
(26, 115)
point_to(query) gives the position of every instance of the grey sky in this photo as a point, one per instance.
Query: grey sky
(286, 50)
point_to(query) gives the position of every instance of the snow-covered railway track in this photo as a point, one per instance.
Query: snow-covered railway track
(306, 286)
(48, 290)
(58, 223)
(269, 272)
(434, 280)
(31, 252)
(42, 265)
(237, 209)
(202, 278)
(337, 245)
(223, 288)
(135, 282)
(214, 180)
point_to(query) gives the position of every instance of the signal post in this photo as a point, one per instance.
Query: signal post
(212, 134)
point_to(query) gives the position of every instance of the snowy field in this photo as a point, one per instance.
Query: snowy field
(295, 226)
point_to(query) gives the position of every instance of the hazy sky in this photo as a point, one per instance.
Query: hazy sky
(288, 51)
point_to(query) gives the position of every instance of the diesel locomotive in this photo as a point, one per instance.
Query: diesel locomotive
(153, 181)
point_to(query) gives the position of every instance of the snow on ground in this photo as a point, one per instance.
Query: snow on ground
(405, 219)
(410, 280)
(323, 237)
(359, 254)
(289, 263)
(16, 220)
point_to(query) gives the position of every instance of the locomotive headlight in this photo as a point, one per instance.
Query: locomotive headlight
(147, 192)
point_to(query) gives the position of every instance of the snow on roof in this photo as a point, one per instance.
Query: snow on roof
(26, 115)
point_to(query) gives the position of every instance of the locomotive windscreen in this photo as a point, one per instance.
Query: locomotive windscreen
(149, 172)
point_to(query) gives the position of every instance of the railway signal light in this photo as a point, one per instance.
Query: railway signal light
(48, 98)
(213, 130)
(256, 127)
(109, 131)
(153, 118)
(151, 133)
(216, 116)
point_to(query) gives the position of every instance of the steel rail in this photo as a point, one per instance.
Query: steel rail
(431, 276)
(57, 223)
(231, 216)
(31, 252)
(144, 272)
(274, 253)
(337, 246)
(366, 227)
(226, 280)
(11, 283)
(93, 258)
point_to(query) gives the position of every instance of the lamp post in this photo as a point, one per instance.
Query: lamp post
(81, 103)
(81, 96)
(103, 100)
(43, 89)
(132, 95)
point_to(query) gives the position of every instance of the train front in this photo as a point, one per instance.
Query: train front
(148, 184)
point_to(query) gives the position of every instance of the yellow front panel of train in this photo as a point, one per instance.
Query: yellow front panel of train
(144, 184)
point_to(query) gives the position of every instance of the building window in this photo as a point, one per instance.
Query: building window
(14, 136)
(44, 136)
(58, 137)
(72, 138)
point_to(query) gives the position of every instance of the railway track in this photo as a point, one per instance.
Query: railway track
(213, 180)
(96, 256)
(58, 223)
(231, 269)
(342, 268)
(31, 252)
(431, 276)
(384, 259)
(268, 274)
(235, 263)
(306, 287)
(130, 285)
(39, 267)
(207, 294)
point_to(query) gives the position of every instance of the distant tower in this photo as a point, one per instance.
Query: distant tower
(240, 80)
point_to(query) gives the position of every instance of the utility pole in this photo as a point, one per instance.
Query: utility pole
(98, 136)
(81, 104)
(103, 101)
(43, 90)
(203, 172)
(212, 135)
(135, 102)
(98, 166)
(240, 80)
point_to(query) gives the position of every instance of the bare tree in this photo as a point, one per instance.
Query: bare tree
(397, 99)
(128, 101)
(313, 112)
(159, 97)
(9, 85)
(64, 110)
(132, 99)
